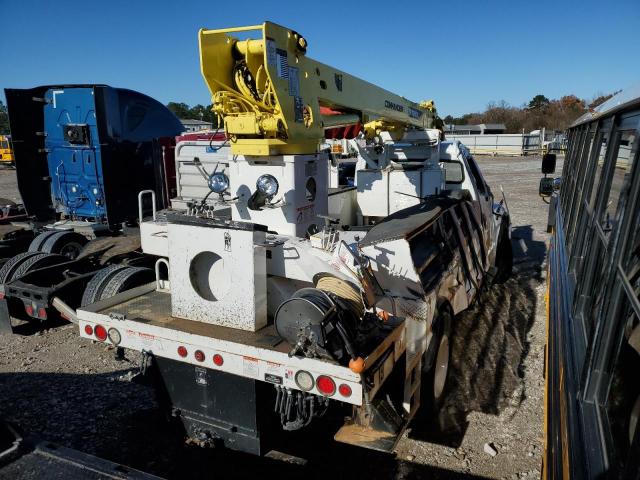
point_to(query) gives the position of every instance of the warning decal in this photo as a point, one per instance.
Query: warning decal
(282, 63)
(271, 52)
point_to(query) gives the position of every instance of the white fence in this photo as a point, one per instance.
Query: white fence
(501, 144)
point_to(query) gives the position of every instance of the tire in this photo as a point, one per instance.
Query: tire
(504, 258)
(127, 279)
(10, 266)
(36, 243)
(634, 420)
(68, 244)
(435, 379)
(39, 260)
(93, 290)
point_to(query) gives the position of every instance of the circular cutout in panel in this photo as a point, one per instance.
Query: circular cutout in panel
(208, 276)
(310, 189)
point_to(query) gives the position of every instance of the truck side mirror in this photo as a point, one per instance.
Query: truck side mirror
(548, 163)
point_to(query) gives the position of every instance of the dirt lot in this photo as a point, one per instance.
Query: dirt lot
(73, 392)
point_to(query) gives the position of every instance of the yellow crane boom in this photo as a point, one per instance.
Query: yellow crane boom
(269, 93)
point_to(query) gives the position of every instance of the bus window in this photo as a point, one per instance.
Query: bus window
(602, 151)
(621, 169)
(581, 165)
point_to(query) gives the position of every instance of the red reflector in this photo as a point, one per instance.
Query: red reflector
(345, 390)
(101, 333)
(88, 329)
(42, 313)
(182, 351)
(199, 354)
(1, 296)
(28, 309)
(218, 360)
(326, 385)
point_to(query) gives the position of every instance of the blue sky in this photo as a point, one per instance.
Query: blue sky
(462, 54)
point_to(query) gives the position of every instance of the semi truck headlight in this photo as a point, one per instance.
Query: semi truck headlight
(218, 183)
(267, 185)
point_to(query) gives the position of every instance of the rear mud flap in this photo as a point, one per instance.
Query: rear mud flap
(382, 431)
(5, 319)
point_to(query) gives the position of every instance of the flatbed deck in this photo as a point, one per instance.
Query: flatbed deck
(143, 320)
(154, 308)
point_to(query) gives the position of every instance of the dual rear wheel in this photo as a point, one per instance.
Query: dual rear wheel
(436, 361)
(115, 279)
(66, 243)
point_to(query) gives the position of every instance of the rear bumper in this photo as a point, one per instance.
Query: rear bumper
(268, 364)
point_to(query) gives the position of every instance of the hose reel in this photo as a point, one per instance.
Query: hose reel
(322, 321)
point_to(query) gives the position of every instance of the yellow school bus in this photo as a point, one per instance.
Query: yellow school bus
(6, 152)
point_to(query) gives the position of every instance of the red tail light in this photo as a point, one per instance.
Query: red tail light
(345, 390)
(182, 351)
(1, 296)
(101, 333)
(29, 310)
(88, 329)
(42, 313)
(218, 360)
(199, 354)
(326, 385)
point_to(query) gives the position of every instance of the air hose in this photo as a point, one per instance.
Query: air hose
(345, 291)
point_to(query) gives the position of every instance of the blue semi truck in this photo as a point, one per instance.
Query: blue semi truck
(83, 153)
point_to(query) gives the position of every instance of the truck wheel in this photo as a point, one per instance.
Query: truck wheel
(436, 378)
(36, 243)
(127, 279)
(10, 266)
(93, 290)
(633, 420)
(504, 258)
(68, 244)
(39, 260)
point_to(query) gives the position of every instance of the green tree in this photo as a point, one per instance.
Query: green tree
(180, 110)
(4, 119)
(200, 112)
(538, 102)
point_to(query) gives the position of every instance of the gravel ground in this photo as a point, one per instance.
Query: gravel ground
(73, 392)
(8, 185)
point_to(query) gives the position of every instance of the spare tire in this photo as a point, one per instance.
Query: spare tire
(127, 279)
(66, 243)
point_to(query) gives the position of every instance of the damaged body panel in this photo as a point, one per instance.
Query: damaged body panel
(431, 252)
